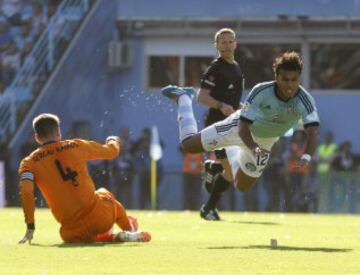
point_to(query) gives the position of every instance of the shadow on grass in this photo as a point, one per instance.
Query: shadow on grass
(69, 245)
(285, 248)
(255, 223)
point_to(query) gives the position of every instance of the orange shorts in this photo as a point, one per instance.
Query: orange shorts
(99, 220)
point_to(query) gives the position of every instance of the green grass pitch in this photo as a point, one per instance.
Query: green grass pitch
(184, 244)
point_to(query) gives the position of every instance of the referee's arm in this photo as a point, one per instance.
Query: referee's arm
(206, 99)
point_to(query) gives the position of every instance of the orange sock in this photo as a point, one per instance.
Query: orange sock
(107, 237)
(121, 218)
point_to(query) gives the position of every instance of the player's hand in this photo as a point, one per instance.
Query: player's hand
(112, 138)
(226, 109)
(258, 151)
(29, 234)
(303, 161)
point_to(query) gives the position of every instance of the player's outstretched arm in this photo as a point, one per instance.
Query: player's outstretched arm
(312, 133)
(28, 205)
(96, 151)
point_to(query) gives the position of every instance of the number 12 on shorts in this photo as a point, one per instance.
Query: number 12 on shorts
(262, 160)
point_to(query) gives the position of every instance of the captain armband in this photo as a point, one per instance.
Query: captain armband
(27, 176)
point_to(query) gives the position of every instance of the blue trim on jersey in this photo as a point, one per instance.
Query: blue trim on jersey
(305, 100)
(255, 93)
(311, 124)
(242, 118)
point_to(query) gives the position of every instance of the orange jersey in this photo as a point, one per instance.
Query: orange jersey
(60, 171)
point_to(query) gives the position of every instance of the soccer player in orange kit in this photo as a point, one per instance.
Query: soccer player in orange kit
(59, 169)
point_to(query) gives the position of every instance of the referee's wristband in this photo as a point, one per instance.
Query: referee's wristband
(31, 226)
(306, 157)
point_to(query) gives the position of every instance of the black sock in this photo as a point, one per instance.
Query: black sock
(220, 185)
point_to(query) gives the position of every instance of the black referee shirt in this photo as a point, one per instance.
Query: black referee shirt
(225, 82)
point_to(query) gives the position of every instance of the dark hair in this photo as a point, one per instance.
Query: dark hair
(288, 61)
(45, 124)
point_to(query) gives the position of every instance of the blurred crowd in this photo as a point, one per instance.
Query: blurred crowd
(330, 184)
(21, 23)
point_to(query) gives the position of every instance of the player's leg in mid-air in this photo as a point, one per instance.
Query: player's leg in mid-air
(191, 142)
(188, 131)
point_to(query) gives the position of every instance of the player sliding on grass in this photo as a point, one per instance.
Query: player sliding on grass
(270, 110)
(59, 169)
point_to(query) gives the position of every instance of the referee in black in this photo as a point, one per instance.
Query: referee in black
(221, 90)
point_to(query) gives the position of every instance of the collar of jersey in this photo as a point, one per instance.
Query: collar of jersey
(277, 94)
(224, 61)
(49, 142)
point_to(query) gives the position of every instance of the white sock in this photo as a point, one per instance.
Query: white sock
(186, 119)
(126, 236)
(233, 156)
